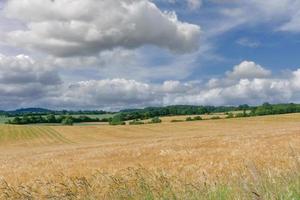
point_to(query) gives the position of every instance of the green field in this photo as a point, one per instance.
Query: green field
(4, 119)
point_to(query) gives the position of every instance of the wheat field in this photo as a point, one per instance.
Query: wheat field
(188, 160)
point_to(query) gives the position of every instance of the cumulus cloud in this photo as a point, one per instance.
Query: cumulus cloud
(91, 26)
(117, 93)
(97, 40)
(296, 79)
(23, 69)
(258, 87)
(248, 83)
(254, 91)
(127, 64)
(249, 70)
(24, 80)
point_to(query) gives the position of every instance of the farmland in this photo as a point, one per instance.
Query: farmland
(240, 158)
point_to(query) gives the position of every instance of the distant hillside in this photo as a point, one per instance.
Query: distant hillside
(31, 110)
(43, 111)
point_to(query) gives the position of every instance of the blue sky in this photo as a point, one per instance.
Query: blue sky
(137, 53)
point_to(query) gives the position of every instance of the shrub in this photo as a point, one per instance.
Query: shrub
(117, 120)
(116, 123)
(136, 122)
(188, 119)
(197, 118)
(215, 117)
(155, 120)
(244, 114)
(176, 120)
(230, 115)
(67, 121)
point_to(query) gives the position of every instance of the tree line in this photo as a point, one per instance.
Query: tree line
(269, 109)
(52, 119)
(156, 112)
(152, 112)
(247, 111)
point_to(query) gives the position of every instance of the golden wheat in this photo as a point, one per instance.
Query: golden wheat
(76, 161)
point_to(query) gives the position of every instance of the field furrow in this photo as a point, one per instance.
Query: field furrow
(30, 135)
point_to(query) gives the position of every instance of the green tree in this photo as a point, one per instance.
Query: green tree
(117, 120)
(51, 118)
(16, 120)
(68, 121)
(155, 120)
(188, 119)
(230, 115)
(197, 118)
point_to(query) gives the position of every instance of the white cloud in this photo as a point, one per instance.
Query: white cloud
(249, 70)
(24, 80)
(191, 4)
(105, 93)
(194, 4)
(254, 91)
(248, 42)
(91, 26)
(248, 82)
(100, 37)
(23, 69)
(278, 15)
(296, 79)
(293, 25)
(255, 88)
(143, 64)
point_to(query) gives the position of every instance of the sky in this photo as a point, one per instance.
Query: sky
(116, 54)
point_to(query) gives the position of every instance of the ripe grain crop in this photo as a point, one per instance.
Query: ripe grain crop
(244, 158)
(29, 136)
